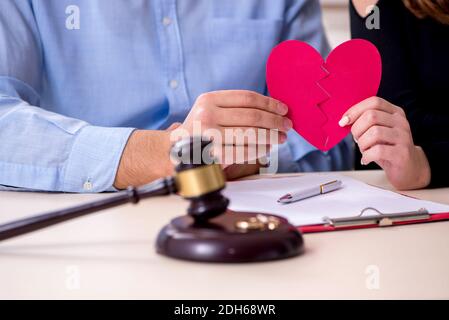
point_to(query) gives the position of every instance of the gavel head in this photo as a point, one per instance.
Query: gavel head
(199, 178)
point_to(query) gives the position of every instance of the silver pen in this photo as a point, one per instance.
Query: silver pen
(311, 192)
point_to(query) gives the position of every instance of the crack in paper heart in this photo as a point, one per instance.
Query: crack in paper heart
(324, 100)
(319, 91)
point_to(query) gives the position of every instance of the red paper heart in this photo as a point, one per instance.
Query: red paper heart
(319, 92)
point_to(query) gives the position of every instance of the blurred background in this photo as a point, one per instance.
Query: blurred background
(336, 20)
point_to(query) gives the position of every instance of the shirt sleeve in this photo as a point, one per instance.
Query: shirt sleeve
(303, 21)
(41, 150)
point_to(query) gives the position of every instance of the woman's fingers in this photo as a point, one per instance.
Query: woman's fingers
(383, 135)
(378, 135)
(369, 119)
(379, 153)
(373, 103)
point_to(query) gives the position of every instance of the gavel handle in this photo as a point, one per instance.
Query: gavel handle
(160, 187)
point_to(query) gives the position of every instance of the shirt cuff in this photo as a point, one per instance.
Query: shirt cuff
(94, 159)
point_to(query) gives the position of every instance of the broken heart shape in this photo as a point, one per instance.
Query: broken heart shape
(319, 92)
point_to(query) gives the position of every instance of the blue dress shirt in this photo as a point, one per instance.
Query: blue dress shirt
(78, 76)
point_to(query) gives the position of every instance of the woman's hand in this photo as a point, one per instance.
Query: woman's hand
(243, 124)
(383, 134)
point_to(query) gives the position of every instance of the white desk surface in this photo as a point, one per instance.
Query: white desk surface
(111, 255)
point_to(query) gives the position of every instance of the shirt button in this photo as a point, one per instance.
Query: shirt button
(166, 21)
(173, 84)
(87, 186)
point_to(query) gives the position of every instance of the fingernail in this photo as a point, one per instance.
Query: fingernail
(355, 140)
(362, 163)
(282, 109)
(344, 121)
(288, 124)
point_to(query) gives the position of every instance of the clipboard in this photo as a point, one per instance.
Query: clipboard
(378, 219)
(367, 206)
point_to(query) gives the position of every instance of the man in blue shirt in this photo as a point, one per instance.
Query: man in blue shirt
(90, 89)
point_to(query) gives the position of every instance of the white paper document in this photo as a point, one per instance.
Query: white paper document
(261, 196)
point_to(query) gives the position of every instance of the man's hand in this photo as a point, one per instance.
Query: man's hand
(248, 118)
(383, 135)
(244, 121)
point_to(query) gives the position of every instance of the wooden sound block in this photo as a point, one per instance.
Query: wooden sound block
(225, 238)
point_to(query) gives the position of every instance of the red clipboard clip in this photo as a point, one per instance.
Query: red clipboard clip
(380, 219)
